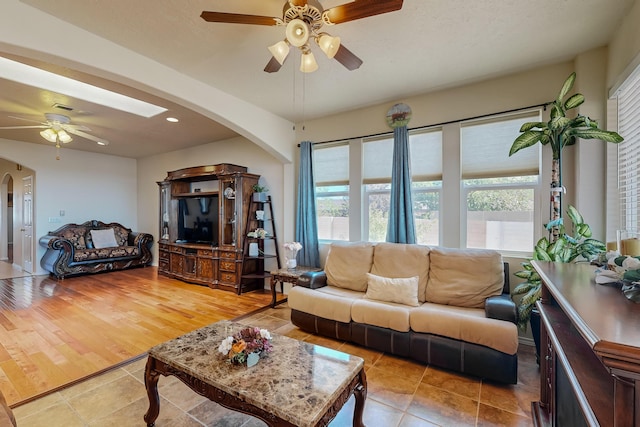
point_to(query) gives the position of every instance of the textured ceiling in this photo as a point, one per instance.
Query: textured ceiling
(428, 45)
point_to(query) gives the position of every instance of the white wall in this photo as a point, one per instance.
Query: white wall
(237, 151)
(85, 185)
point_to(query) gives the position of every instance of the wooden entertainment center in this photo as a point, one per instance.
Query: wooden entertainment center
(204, 212)
(589, 350)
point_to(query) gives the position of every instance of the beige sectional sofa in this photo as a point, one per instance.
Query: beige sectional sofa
(446, 307)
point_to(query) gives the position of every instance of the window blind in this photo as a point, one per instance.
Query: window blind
(485, 148)
(331, 165)
(629, 150)
(425, 152)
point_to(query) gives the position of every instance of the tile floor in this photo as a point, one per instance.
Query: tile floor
(401, 393)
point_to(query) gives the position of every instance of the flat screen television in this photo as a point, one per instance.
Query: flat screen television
(198, 220)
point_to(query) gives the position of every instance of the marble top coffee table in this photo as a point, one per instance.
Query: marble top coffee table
(297, 384)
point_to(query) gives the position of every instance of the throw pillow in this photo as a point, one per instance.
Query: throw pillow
(103, 238)
(464, 277)
(400, 290)
(347, 263)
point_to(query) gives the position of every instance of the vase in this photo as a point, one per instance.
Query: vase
(290, 258)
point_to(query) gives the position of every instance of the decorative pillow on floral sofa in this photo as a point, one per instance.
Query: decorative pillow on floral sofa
(94, 246)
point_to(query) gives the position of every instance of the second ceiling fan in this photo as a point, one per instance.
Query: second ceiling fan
(304, 20)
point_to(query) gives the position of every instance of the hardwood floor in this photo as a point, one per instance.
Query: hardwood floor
(53, 333)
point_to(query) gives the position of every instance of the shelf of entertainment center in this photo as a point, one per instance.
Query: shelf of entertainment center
(196, 194)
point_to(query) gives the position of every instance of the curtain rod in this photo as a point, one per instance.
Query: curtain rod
(544, 105)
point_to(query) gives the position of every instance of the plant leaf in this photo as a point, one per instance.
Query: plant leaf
(566, 87)
(530, 125)
(574, 215)
(526, 139)
(574, 101)
(604, 135)
(559, 122)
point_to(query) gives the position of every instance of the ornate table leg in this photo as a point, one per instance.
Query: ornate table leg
(151, 377)
(273, 291)
(360, 394)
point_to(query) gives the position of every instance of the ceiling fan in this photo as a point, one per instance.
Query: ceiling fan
(57, 129)
(304, 19)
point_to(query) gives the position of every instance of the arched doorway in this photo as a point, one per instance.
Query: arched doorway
(16, 248)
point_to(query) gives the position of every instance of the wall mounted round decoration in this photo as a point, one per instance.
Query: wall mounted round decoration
(398, 115)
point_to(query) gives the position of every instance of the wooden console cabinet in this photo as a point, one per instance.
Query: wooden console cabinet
(203, 216)
(590, 351)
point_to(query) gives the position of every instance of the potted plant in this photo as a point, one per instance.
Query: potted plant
(566, 248)
(259, 193)
(559, 132)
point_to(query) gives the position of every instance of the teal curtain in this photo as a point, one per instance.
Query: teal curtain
(401, 228)
(306, 219)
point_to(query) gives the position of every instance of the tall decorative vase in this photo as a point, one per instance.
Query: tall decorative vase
(290, 258)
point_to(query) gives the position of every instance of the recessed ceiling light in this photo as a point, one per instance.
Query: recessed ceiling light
(172, 120)
(101, 143)
(32, 76)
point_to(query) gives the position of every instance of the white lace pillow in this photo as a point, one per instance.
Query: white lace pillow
(103, 238)
(399, 290)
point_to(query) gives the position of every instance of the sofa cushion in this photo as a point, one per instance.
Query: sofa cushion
(347, 265)
(464, 277)
(382, 314)
(328, 302)
(106, 253)
(398, 290)
(402, 260)
(465, 324)
(105, 238)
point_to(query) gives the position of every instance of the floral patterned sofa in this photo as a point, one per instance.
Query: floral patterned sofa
(94, 247)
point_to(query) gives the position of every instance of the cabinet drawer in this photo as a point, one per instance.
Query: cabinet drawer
(228, 266)
(163, 256)
(228, 255)
(176, 249)
(227, 277)
(205, 252)
(163, 265)
(163, 247)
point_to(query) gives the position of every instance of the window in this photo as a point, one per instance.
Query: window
(629, 151)
(499, 190)
(426, 170)
(331, 169)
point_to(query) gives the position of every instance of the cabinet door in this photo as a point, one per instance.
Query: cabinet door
(228, 214)
(165, 201)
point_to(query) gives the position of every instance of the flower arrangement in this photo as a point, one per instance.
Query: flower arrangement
(259, 233)
(246, 346)
(291, 251)
(622, 271)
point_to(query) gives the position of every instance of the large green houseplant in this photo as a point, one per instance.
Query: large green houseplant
(570, 245)
(560, 131)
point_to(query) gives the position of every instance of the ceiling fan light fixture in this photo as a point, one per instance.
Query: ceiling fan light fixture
(308, 62)
(49, 134)
(64, 137)
(297, 32)
(328, 44)
(280, 51)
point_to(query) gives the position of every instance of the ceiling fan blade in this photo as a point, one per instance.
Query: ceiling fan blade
(237, 18)
(273, 65)
(81, 134)
(27, 120)
(347, 58)
(361, 9)
(71, 128)
(25, 127)
(299, 3)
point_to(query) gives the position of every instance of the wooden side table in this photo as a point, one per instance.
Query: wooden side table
(288, 275)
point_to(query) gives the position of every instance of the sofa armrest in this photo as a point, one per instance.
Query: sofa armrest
(56, 242)
(312, 279)
(501, 307)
